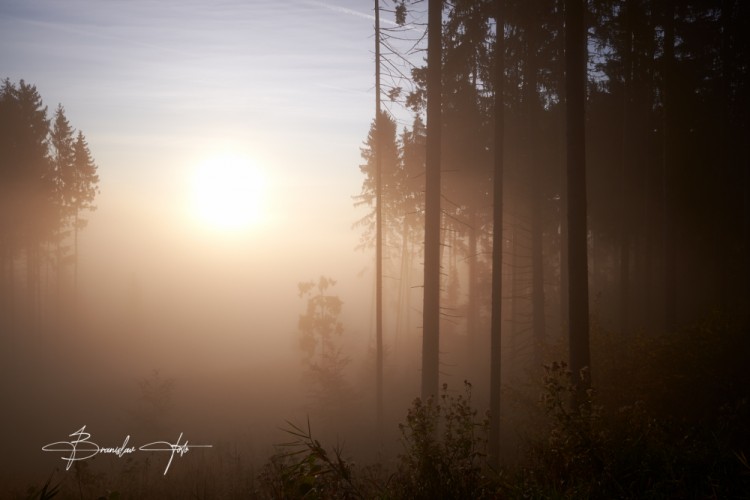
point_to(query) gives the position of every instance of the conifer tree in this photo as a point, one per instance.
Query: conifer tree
(83, 190)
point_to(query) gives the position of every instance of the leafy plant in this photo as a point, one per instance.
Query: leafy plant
(445, 449)
(588, 450)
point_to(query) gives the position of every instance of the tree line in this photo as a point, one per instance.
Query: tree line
(48, 182)
(667, 178)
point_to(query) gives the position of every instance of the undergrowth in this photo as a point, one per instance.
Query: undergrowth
(669, 419)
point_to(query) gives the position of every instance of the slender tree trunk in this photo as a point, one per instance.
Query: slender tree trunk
(11, 281)
(649, 171)
(514, 308)
(378, 230)
(47, 262)
(472, 310)
(564, 302)
(58, 283)
(497, 240)
(35, 285)
(407, 286)
(73, 305)
(576, 53)
(4, 282)
(446, 273)
(537, 254)
(670, 254)
(403, 287)
(31, 283)
(724, 226)
(537, 264)
(625, 172)
(564, 282)
(431, 309)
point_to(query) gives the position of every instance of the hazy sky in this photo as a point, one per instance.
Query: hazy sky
(156, 84)
(159, 86)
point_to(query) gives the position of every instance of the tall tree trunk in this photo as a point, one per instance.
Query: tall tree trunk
(431, 309)
(724, 226)
(76, 224)
(9, 283)
(625, 172)
(537, 254)
(34, 282)
(450, 299)
(563, 179)
(58, 282)
(30, 284)
(539, 322)
(403, 286)
(5, 268)
(514, 308)
(378, 231)
(646, 107)
(472, 312)
(670, 254)
(564, 282)
(497, 240)
(576, 52)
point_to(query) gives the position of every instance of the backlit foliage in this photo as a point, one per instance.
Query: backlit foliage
(321, 330)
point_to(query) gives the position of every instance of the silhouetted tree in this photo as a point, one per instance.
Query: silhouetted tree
(670, 254)
(392, 181)
(321, 330)
(431, 309)
(378, 233)
(82, 192)
(497, 236)
(47, 179)
(576, 56)
(412, 147)
(666, 209)
(62, 177)
(531, 107)
(27, 194)
(467, 165)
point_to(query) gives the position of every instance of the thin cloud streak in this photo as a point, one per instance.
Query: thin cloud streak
(344, 10)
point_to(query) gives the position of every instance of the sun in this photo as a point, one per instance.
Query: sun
(228, 192)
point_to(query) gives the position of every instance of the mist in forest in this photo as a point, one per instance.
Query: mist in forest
(315, 249)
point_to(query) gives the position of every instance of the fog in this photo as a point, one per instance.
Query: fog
(216, 313)
(199, 201)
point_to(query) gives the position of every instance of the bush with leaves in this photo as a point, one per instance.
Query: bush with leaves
(591, 451)
(443, 459)
(445, 449)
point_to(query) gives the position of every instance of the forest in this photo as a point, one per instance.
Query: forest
(555, 201)
(49, 182)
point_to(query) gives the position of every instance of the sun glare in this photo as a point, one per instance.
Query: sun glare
(228, 193)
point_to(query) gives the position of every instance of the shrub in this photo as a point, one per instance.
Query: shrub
(445, 449)
(305, 469)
